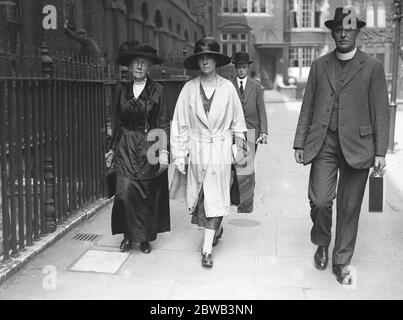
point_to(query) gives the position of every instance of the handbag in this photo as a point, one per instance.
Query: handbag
(375, 191)
(110, 175)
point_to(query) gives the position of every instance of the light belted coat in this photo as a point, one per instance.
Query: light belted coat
(207, 144)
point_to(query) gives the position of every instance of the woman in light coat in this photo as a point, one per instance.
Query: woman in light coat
(207, 118)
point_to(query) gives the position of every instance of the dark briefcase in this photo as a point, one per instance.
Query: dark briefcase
(376, 191)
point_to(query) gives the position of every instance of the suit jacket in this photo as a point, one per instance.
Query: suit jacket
(253, 106)
(363, 125)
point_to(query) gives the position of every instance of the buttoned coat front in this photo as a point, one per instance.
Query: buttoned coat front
(206, 141)
(363, 112)
(253, 107)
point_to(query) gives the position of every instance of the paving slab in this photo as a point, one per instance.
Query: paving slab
(181, 265)
(100, 261)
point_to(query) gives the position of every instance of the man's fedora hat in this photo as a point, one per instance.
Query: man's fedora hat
(241, 58)
(206, 46)
(339, 17)
(131, 49)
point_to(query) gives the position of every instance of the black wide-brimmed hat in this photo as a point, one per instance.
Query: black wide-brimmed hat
(131, 49)
(339, 17)
(241, 58)
(206, 46)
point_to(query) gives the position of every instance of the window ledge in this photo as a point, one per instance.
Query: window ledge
(249, 14)
(320, 30)
(15, 23)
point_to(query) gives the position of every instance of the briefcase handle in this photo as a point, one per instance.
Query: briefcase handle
(377, 172)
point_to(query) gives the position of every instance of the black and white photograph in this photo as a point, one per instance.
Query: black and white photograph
(201, 155)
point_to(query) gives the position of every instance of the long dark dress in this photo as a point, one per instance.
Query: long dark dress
(141, 206)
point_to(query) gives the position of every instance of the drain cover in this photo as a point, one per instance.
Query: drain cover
(245, 223)
(86, 237)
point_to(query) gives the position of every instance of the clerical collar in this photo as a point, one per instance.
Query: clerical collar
(346, 56)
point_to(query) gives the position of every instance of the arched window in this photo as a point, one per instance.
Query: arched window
(144, 11)
(159, 39)
(178, 29)
(129, 11)
(170, 27)
(144, 15)
(186, 36)
(158, 19)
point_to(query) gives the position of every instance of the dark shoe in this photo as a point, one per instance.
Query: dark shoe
(145, 247)
(343, 275)
(125, 245)
(321, 257)
(207, 260)
(218, 237)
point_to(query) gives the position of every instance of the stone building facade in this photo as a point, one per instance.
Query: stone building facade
(171, 26)
(284, 37)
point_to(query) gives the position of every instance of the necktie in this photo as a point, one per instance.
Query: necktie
(241, 87)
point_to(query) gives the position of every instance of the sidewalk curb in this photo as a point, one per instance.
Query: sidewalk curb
(9, 268)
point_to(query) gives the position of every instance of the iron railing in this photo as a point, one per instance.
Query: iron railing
(56, 112)
(53, 132)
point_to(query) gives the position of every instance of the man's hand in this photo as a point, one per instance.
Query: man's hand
(180, 165)
(263, 138)
(164, 161)
(380, 163)
(299, 156)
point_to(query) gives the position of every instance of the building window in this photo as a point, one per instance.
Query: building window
(14, 11)
(244, 5)
(235, 6)
(300, 61)
(247, 7)
(233, 42)
(304, 13)
(376, 14)
(225, 6)
(370, 15)
(381, 16)
(70, 12)
(170, 28)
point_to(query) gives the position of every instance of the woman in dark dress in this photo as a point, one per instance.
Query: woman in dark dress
(139, 144)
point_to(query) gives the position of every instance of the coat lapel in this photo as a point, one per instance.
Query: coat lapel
(235, 82)
(197, 105)
(331, 69)
(216, 107)
(248, 89)
(356, 65)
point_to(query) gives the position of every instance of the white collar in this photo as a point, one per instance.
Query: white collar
(141, 83)
(244, 80)
(138, 87)
(346, 56)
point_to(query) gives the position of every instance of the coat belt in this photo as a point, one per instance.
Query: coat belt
(209, 138)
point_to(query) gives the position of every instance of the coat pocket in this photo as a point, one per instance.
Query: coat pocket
(365, 131)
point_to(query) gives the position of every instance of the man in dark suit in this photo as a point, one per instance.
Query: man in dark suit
(251, 95)
(342, 130)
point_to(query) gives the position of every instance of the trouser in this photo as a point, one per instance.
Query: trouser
(322, 191)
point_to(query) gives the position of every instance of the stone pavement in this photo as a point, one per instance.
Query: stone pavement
(264, 255)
